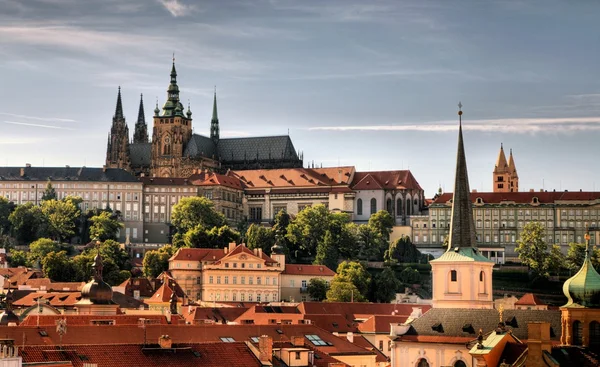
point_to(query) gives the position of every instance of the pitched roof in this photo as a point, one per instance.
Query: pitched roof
(215, 179)
(48, 285)
(530, 299)
(206, 254)
(222, 315)
(351, 310)
(523, 197)
(140, 154)
(262, 148)
(380, 323)
(315, 270)
(323, 178)
(373, 180)
(163, 294)
(66, 174)
(200, 146)
(501, 164)
(56, 299)
(84, 320)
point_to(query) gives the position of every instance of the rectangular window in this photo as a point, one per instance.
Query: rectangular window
(250, 280)
(258, 280)
(226, 279)
(210, 279)
(234, 279)
(256, 214)
(134, 235)
(243, 280)
(218, 279)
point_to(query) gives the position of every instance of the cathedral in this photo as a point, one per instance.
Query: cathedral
(175, 151)
(505, 174)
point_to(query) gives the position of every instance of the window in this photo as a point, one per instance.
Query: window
(373, 206)
(234, 279)
(481, 276)
(243, 280)
(226, 279)
(423, 363)
(210, 279)
(218, 279)
(381, 345)
(297, 355)
(453, 275)
(388, 206)
(459, 363)
(399, 207)
(577, 332)
(227, 339)
(254, 339)
(316, 340)
(359, 207)
(256, 213)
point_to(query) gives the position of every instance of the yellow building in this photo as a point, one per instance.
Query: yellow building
(505, 174)
(296, 277)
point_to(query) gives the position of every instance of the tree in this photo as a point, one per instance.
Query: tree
(258, 236)
(40, 248)
(61, 217)
(386, 286)
(533, 250)
(6, 208)
(104, 226)
(404, 251)
(576, 255)
(17, 258)
(28, 222)
(327, 253)
(308, 228)
(317, 289)
(382, 222)
(281, 223)
(409, 276)
(49, 192)
(343, 291)
(190, 212)
(112, 250)
(370, 244)
(355, 273)
(58, 267)
(215, 237)
(111, 274)
(157, 261)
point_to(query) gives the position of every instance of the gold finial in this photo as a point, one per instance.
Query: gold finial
(459, 108)
(501, 312)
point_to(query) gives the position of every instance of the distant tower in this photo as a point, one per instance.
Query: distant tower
(505, 174)
(214, 122)
(140, 134)
(117, 150)
(171, 133)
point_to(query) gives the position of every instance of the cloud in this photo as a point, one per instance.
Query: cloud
(510, 125)
(49, 119)
(37, 125)
(18, 141)
(176, 8)
(234, 134)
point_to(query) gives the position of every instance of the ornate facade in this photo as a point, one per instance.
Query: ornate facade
(175, 151)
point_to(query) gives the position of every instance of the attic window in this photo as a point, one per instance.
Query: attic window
(279, 331)
(83, 358)
(437, 327)
(254, 339)
(552, 333)
(227, 339)
(43, 333)
(468, 328)
(512, 322)
(197, 354)
(316, 340)
(536, 200)
(335, 324)
(479, 201)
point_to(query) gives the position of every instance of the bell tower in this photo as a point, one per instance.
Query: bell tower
(171, 132)
(117, 149)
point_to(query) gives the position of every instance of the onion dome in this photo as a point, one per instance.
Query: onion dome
(156, 110)
(277, 248)
(189, 112)
(97, 291)
(583, 288)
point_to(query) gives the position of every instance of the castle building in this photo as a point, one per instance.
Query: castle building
(175, 151)
(505, 174)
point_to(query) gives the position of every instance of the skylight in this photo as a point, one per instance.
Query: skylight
(254, 339)
(316, 340)
(227, 339)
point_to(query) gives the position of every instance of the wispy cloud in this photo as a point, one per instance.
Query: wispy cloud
(234, 134)
(48, 119)
(512, 125)
(37, 125)
(176, 7)
(18, 141)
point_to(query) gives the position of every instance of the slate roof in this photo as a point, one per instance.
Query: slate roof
(452, 321)
(523, 197)
(200, 146)
(389, 180)
(263, 148)
(140, 154)
(65, 174)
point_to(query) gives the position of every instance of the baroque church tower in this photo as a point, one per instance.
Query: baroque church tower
(462, 277)
(171, 133)
(141, 129)
(505, 174)
(117, 150)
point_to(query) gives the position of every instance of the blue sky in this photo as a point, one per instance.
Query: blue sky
(373, 84)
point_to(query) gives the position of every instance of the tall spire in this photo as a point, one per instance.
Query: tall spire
(462, 228)
(173, 106)
(119, 108)
(511, 163)
(214, 122)
(140, 134)
(141, 117)
(501, 164)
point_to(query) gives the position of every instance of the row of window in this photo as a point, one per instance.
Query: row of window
(243, 297)
(563, 239)
(389, 208)
(234, 280)
(527, 212)
(42, 186)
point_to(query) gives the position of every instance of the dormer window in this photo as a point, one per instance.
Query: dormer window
(535, 200)
(479, 201)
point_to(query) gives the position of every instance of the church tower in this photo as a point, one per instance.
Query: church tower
(214, 122)
(462, 277)
(171, 133)
(505, 173)
(141, 129)
(117, 150)
(513, 177)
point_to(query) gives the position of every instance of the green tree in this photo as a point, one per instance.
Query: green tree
(49, 192)
(104, 226)
(409, 276)
(17, 258)
(157, 261)
(308, 228)
(576, 255)
(317, 289)
(40, 248)
(355, 273)
(258, 236)
(370, 244)
(28, 222)
(6, 208)
(281, 223)
(382, 222)
(344, 291)
(58, 267)
(386, 286)
(111, 249)
(190, 212)
(327, 253)
(61, 217)
(214, 237)
(111, 274)
(404, 251)
(534, 252)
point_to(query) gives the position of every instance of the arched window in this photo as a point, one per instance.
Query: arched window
(408, 207)
(373, 206)
(388, 206)
(577, 333)
(481, 276)
(166, 149)
(359, 206)
(595, 335)
(453, 275)
(423, 363)
(459, 363)
(399, 207)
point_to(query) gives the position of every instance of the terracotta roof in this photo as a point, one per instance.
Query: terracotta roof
(380, 323)
(295, 177)
(163, 294)
(437, 339)
(49, 285)
(351, 310)
(530, 299)
(321, 359)
(223, 315)
(83, 320)
(299, 269)
(125, 355)
(523, 197)
(145, 286)
(207, 254)
(215, 179)
(362, 342)
(21, 277)
(374, 180)
(56, 299)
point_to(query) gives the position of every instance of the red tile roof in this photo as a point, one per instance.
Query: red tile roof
(530, 299)
(524, 197)
(163, 294)
(374, 180)
(214, 179)
(380, 323)
(83, 320)
(49, 285)
(56, 299)
(362, 342)
(198, 315)
(316, 270)
(208, 254)
(325, 178)
(353, 310)
(436, 339)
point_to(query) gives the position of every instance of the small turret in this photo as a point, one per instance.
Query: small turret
(583, 288)
(214, 122)
(141, 129)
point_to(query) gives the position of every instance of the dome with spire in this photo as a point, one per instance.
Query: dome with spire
(277, 248)
(583, 288)
(97, 291)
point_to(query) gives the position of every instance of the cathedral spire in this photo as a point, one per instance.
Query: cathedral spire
(214, 122)
(119, 108)
(140, 134)
(501, 164)
(511, 163)
(462, 228)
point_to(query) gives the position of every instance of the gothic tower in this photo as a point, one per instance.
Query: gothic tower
(462, 277)
(140, 134)
(117, 150)
(513, 176)
(171, 133)
(505, 174)
(214, 122)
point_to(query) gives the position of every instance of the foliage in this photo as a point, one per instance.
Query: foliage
(215, 237)
(17, 258)
(382, 222)
(258, 236)
(111, 274)
(61, 217)
(344, 291)
(157, 261)
(386, 286)
(281, 223)
(404, 251)
(533, 251)
(355, 273)
(49, 192)
(104, 226)
(369, 242)
(28, 222)
(576, 255)
(40, 248)
(74, 200)
(409, 276)
(7, 242)
(6, 207)
(317, 289)
(327, 253)
(58, 267)
(112, 250)
(308, 228)
(191, 212)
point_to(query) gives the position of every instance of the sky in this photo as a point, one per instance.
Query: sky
(374, 84)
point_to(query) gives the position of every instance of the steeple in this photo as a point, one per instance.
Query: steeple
(214, 122)
(140, 134)
(173, 106)
(511, 164)
(462, 228)
(501, 164)
(583, 288)
(119, 109)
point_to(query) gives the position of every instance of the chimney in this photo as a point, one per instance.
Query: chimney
(231, 246)
(260, 253)
(225, 249)
(67, 166)
(350, 336)
(474, 190)
(165, 342)
(538, 341)
(265, 348)
(336, 364)
(297, 341)
(22, 172)
(104, 168)
(28, 165)
(531, 190)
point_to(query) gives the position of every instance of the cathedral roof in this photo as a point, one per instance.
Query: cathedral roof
(501, 164)
(65, 174)
(200, 146)
(262, 148)
(140, 154)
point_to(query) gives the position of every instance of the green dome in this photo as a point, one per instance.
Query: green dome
(583, 288)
